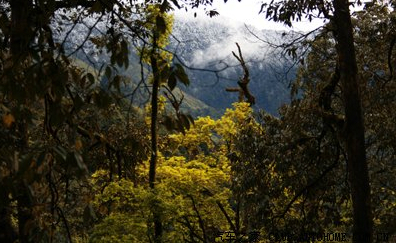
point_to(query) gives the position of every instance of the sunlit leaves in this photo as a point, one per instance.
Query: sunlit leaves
(78, 145)
(193, 178)
(8, 120)
(119, 228)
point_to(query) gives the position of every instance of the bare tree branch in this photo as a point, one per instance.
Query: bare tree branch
(244, 81)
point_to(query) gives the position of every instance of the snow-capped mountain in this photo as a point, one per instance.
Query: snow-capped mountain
(206, 47)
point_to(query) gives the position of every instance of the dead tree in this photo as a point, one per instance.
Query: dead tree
(244, 93)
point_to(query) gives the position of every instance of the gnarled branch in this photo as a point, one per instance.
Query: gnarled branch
(244, 81)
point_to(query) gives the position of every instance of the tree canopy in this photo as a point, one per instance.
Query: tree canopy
(82, 162)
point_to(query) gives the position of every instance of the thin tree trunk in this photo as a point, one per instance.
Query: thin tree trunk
(354, 126)
(154, 145)
(154, 115)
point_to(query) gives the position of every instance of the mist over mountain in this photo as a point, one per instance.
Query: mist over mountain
(206, 47)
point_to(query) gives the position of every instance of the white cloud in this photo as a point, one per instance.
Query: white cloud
(218, 37)
(247, 11)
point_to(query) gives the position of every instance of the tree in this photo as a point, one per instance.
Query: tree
(192, 186)
(374, 51)
(300, 157)
(60, 127)
(41, 85)
(342, 29)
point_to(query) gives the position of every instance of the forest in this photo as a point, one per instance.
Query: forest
(97, 145)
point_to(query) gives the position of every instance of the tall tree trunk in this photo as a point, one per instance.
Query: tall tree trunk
(154, 145)
(21, 37)
(354, 126)
(153, 128)
(21, 31)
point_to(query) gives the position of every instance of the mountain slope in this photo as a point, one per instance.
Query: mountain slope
(206, 47)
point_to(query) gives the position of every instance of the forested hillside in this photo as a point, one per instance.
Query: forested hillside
(117, 125)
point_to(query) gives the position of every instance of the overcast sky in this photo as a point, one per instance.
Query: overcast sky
(247, 11)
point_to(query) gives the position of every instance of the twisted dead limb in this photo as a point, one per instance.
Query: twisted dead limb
(243, 82)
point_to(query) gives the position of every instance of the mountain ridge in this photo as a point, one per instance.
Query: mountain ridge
(206, 49)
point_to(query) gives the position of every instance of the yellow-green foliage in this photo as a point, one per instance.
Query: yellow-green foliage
(119, 228)
(193, 179)
(161, 109)
(152, 13)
